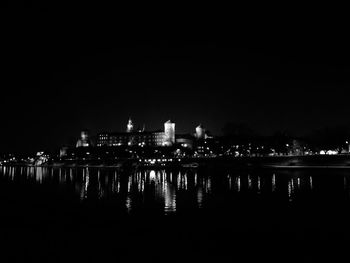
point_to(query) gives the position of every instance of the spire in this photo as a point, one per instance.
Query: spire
(129, 126)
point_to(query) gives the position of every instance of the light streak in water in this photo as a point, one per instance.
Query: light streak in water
(273, 182)
(238, 183)
(115, 183)
(290, 191)
(249, 182)
(311, 183)
(169, 198)
(259, 184)
(128, 203)
(84, 189)
(71, 174)
(152, 175)
(178, 180)
(129, 184)
(39, 174)
(199, 196)
(60, 176)
(185, 181)
(100, 189)
(12, 173)
(207, 185)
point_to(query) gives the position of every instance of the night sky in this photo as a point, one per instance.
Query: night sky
(61, 75)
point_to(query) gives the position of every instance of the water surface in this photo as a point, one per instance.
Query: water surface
(211, 211)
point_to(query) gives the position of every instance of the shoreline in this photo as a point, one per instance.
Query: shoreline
(254, 162)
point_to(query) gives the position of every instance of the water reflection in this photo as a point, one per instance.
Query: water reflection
(166, 190)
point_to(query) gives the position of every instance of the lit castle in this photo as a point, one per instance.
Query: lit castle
(139, 137)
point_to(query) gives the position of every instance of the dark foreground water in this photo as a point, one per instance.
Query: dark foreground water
(104, 214)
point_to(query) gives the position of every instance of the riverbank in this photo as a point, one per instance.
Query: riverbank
(278, 162)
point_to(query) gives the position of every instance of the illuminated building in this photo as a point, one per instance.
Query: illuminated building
(63, 151)
(142, 138)
(169, 133)
(103, 139)
(131, 137)
(130, 126)
(200, 132)
(84, 139)
(184, 140)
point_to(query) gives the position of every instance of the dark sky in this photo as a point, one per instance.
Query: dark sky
(61, 75)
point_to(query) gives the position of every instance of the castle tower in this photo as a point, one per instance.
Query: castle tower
(129, 126)
(84, 139)
(169, 133)
(200, 132)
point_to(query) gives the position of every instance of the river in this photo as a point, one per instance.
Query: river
(279, 215)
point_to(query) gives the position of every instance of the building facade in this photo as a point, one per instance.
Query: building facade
(138, 138)
(200, 132)
(169, 133)
(84, 140)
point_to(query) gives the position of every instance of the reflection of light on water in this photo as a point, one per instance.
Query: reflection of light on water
(83, 194)
(152, 175)
(163, 182)
(115, 183)
(184, 181)
(181, 181)
(129, 184)
(207, 185)
(12, 173)
(238, 183)
(139, 182)
(298, 182)
(30, 172)
(128, 203)
(249, 181)
(60, 176)
(87, 179)
(39, 175)
(100, 189)
(169, 198)
(311, 184)
(259, 184)
(143, 181)
(273, 182)
(289, 191)
(118, 186)
(199, 197)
